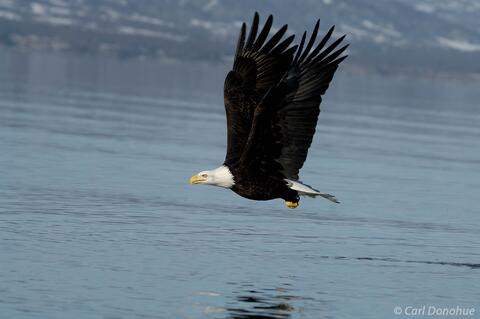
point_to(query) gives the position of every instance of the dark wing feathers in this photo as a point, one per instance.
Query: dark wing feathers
(258, 65)
(310, 42)
(322, 43)
(296, 117)
(328, 50)
(285, 120)
(253, 32)
(300, 48)
(273, 40)
(273, 95)
(263, 35)
(240, 42)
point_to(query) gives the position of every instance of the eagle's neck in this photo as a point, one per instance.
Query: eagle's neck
(223, 177)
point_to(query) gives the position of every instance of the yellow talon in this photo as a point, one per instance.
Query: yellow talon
(291, 204)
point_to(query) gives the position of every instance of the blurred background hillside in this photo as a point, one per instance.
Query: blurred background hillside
(427, 37)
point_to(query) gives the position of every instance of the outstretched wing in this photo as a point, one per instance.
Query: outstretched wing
(258, 65)
(286, 118)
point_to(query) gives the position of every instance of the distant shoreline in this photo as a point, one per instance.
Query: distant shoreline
(350, 67)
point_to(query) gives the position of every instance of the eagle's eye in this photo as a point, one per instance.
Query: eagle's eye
(204, 175)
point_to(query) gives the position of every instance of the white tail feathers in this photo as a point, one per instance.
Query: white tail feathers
(305, 190)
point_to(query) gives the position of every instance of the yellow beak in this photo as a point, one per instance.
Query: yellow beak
(195, 179)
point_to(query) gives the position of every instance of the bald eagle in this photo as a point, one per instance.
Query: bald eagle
(272, 101)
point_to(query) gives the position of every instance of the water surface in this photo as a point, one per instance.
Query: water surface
(97, 219)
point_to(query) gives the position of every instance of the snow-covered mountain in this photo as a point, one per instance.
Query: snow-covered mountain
(435, 36)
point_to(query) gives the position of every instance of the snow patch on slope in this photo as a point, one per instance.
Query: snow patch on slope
(56, 20)
(458, 44)
(38, 8)
(9, 15)
(150, 33)
(424, 7)
(216, 28)
(375, 32)
(149, 20)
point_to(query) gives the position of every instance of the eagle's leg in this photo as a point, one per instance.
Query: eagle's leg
(291, 199)
(291, 204)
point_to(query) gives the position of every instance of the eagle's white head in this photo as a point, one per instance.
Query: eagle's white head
(220, 176)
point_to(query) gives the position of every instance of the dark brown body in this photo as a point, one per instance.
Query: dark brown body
(259, 186)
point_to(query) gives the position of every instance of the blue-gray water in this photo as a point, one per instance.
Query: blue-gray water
(97, 219)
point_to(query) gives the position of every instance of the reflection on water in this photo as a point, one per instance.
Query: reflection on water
(393, 260)
(97, 218)
(257, 304)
